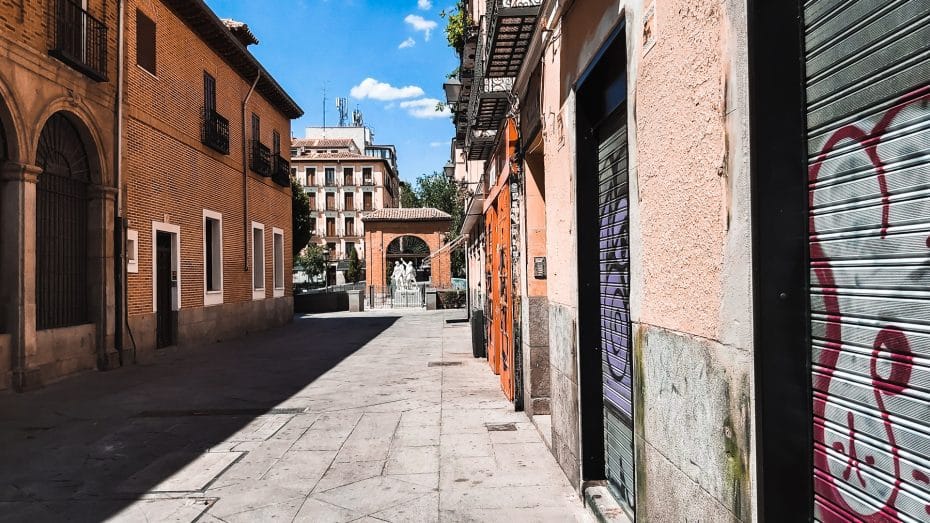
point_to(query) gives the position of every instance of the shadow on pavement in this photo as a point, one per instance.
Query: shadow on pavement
(84, 449)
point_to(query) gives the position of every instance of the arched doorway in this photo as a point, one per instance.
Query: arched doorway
(62, 225)
(409, 249)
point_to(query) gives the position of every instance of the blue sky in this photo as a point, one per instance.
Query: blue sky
(386, 56)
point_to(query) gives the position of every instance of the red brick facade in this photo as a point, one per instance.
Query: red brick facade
(172, 178)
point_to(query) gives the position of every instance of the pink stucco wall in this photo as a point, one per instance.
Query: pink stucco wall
(681, 157)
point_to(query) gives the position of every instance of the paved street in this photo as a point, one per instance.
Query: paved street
(372, 417)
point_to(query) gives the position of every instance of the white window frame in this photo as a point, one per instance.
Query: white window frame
(175, 232)
(335, 169)
(307, 170)
(372, 168)
(258, 294)
(132, 251)
(275, 260)
(212, 297)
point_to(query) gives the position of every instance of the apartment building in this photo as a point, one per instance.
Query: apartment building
(207, 179)
(345, 177)
(58, 190)
(694, 233)
(139, 209)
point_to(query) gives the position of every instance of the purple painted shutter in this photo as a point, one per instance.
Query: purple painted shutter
(614, 250)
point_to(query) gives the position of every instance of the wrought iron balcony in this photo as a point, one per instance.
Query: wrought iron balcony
(260, 160)
(281, 174)
(215, 131)
(79, 39)
(511, 24)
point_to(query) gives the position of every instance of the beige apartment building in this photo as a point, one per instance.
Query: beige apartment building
(345, 177)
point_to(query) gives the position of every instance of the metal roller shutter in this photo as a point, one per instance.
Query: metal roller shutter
(868, 125)
(614, 250)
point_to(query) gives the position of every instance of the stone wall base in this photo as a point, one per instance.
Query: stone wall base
(202, 325)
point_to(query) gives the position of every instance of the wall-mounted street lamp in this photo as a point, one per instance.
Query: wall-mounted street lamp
(453, 89)
(449, 169)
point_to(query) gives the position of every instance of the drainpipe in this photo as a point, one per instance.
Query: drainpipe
(119, 229)
(245, 178)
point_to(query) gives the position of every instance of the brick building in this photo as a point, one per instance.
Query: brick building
(111, 161)
(58, 190)
(346, 177)
(207, 183)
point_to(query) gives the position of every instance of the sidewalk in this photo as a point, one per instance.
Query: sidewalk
(367, 417)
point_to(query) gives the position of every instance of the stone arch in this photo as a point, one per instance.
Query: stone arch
(90, 135)
(11, 127)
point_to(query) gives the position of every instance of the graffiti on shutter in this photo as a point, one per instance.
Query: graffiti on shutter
(614, 247)
(868, 123)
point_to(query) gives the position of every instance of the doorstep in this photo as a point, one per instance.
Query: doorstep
(600, 502)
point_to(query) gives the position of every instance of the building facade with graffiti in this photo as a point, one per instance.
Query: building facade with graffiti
(698, 241)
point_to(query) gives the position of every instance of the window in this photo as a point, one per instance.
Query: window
(331, 227)
(350, 227)
(258, 261)
(278, 254)
(132, 250)
(348, 173)
(350, 246)
(366, 201)
(145, 42)
(331, 249)
(350, 201)
(312, 197)
(367, 178)
(276, 143)
(294, 173)
(212, 257)
(311, 175)
(330, 173)
(330, 201)
(256, 127)
(209, 93)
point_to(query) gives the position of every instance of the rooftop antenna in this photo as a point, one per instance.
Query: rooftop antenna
(357, 119)
(324, 110)
(342, 105)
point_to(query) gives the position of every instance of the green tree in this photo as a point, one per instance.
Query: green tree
(354, 272)
(312, 261)
(408, 196)
(302, 221)
(441, 192)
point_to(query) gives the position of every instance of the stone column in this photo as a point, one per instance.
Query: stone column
(101, 278)
(18, 269)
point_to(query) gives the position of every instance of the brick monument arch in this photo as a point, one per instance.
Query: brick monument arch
(386, 225)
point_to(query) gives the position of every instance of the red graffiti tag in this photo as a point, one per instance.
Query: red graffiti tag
(889, 344)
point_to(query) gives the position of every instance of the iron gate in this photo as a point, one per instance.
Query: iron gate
(61, 226)
(868, 126)
(614, 288)
(388, 297)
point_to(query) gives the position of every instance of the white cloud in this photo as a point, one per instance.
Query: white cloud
(425, 5)
(418, 23)
(425, 108)
(438, 144)
(371, 88)
(409, 42)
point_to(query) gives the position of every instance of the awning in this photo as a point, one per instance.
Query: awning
(455, 243)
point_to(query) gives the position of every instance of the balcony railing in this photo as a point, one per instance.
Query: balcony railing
(215, 132)
(282, 172)
(260, 160)
(79, 39)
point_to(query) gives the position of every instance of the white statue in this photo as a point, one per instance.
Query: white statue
(398, 276)
(410, 276)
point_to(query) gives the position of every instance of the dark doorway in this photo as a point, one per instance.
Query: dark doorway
(605, 350)
(165, 283)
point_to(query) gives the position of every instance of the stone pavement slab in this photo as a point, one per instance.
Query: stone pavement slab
(337, 417)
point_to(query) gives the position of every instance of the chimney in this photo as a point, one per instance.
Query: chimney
(241, 31)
